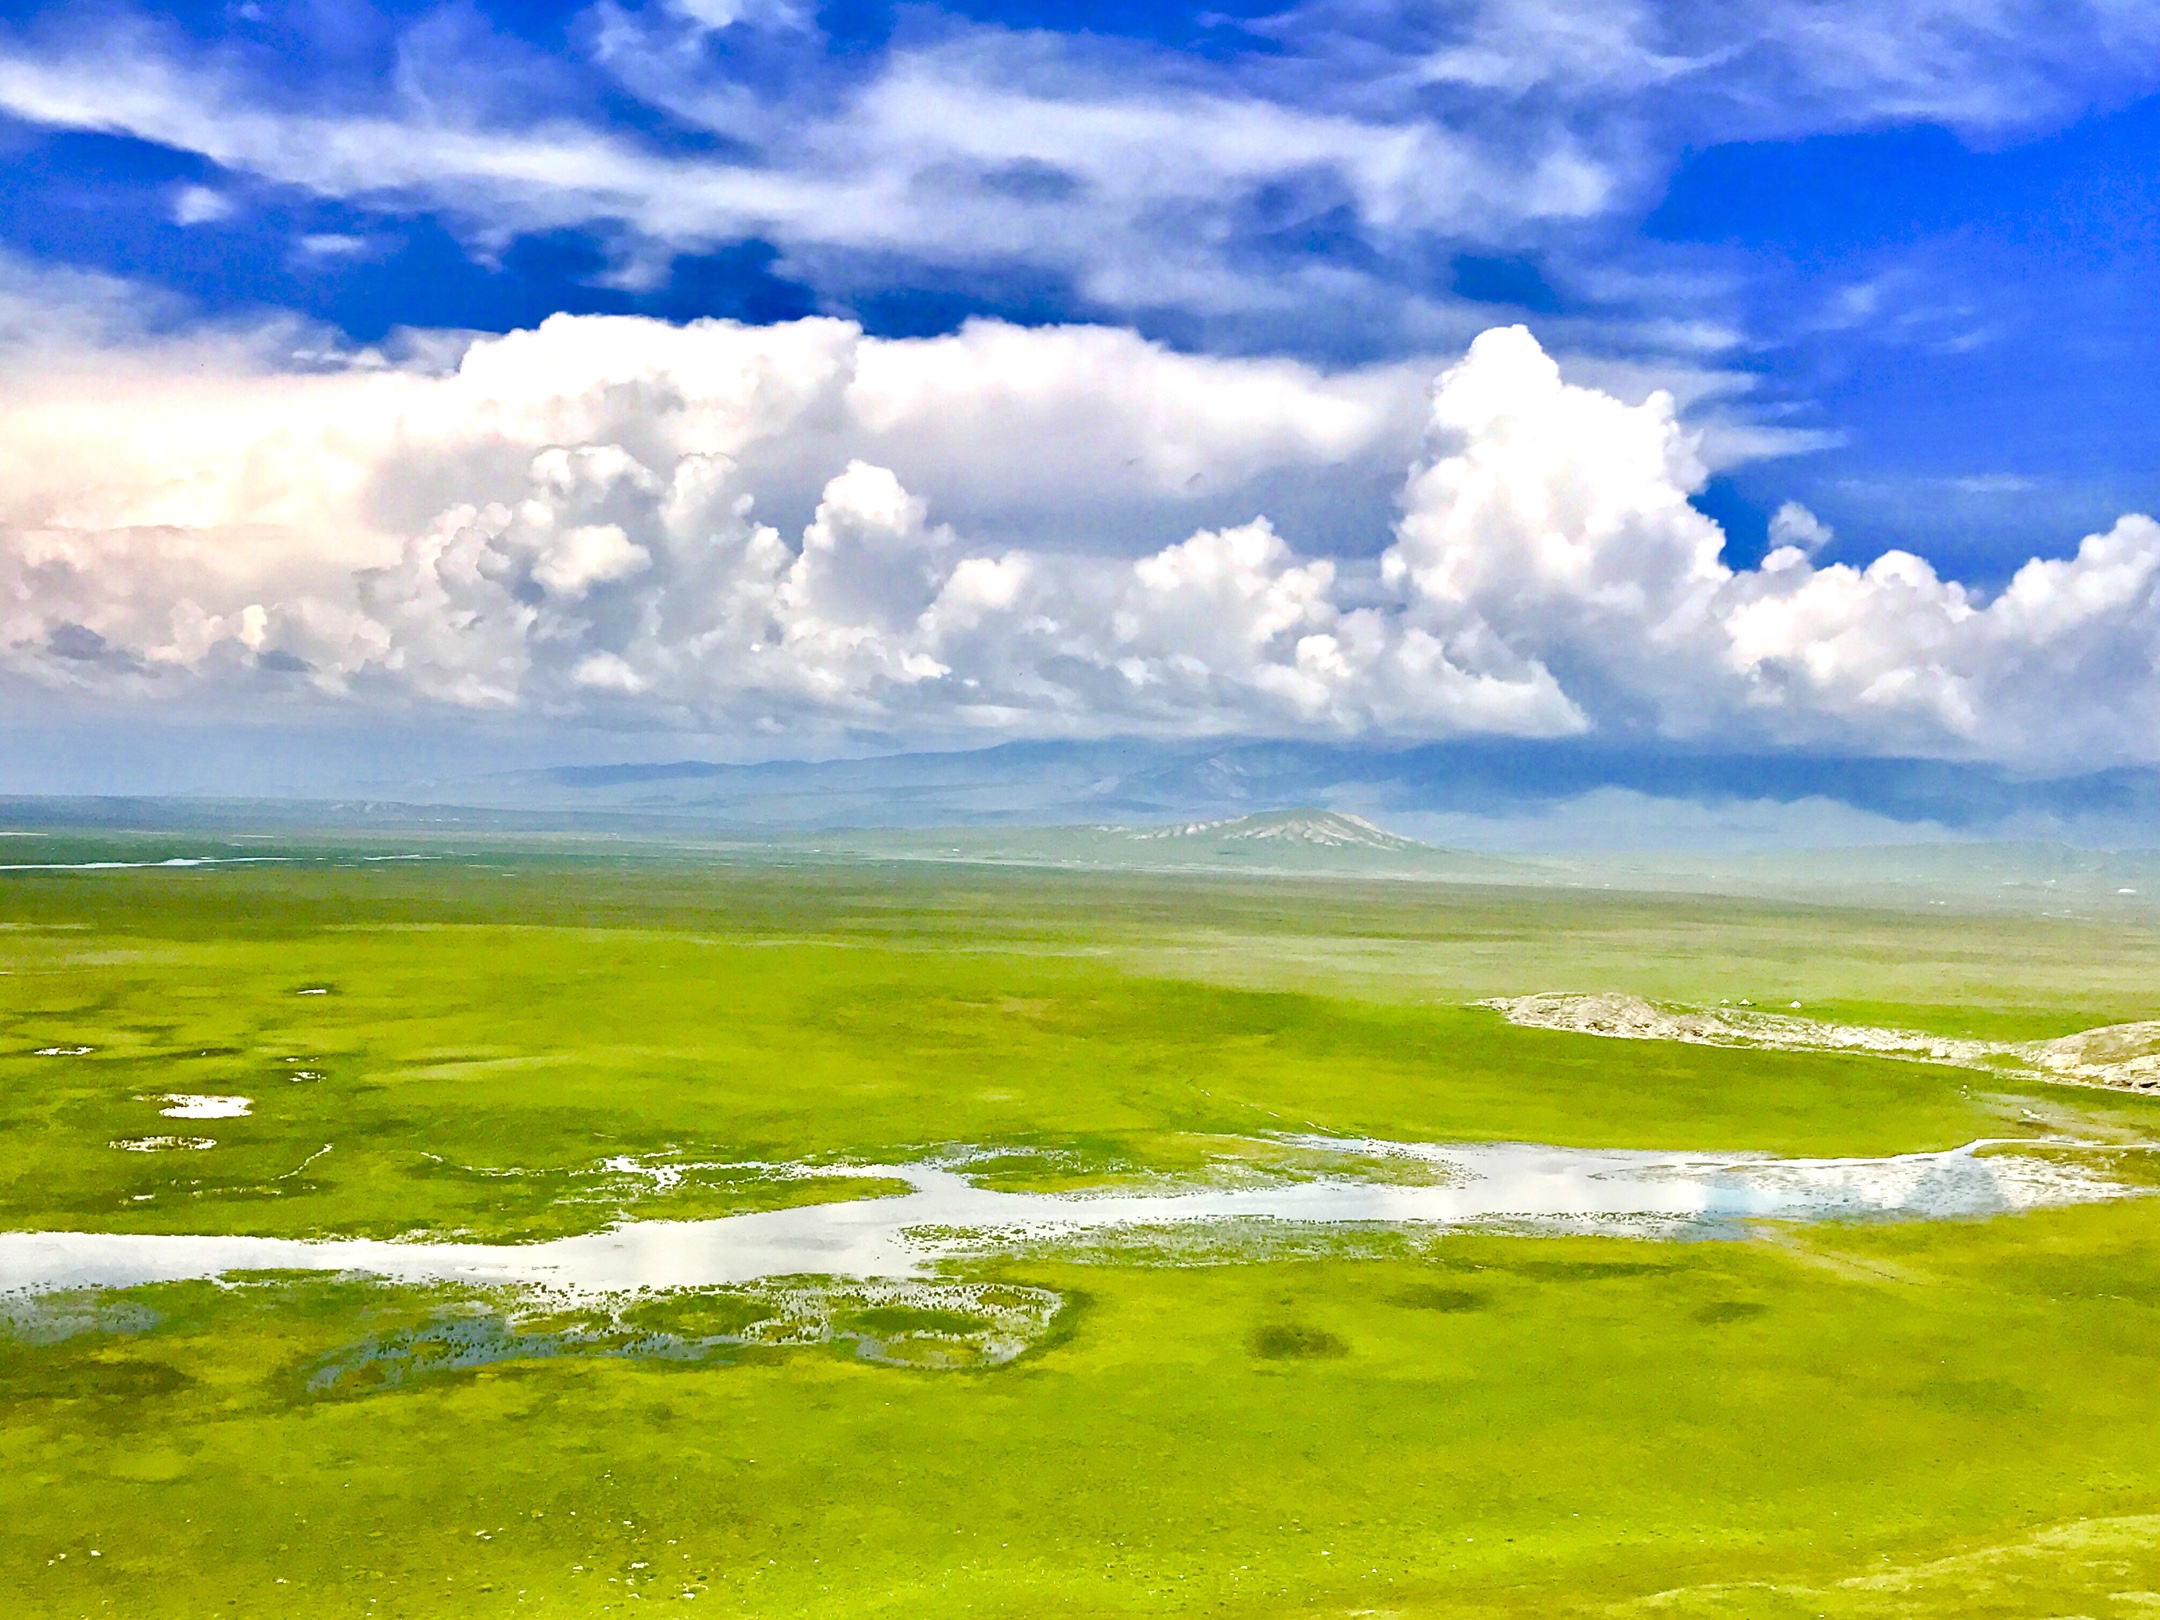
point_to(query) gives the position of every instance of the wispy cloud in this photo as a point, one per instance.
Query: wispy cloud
(1323, 167)
(200, 205)
(991, 150)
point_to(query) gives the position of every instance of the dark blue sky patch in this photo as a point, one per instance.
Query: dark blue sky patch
(2088, 192)
(1513, 283)
(1746, 521)
(900, 310)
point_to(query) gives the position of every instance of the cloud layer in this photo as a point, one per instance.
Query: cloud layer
(1316, 164)
(573, 521)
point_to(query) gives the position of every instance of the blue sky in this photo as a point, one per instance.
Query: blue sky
(1894, 261)
(1946, 265)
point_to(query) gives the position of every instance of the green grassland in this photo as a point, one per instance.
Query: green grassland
(1940, 1418)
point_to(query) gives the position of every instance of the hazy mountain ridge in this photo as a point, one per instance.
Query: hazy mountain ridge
(2028, 878)
(1448, 793)
(1312, 843)
(1472, 812)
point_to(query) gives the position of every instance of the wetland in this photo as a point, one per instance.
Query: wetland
(1013, 1242)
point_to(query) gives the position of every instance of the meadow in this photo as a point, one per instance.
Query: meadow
(502, 1042)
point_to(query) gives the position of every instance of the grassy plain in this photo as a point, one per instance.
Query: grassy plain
(1952, 1418)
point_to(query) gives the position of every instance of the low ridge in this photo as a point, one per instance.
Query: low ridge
(1324, 829)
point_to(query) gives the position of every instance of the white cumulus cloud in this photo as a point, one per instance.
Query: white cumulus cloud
(588, 519)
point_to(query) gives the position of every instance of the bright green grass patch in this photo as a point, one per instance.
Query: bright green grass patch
(483, 1046)
(1521, 1426)
(474, 1079)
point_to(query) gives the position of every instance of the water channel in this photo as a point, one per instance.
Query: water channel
(946, 1215)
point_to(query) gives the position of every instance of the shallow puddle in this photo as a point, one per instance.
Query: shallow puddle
(133, 866)
(1491, 1186)
(187, 1105)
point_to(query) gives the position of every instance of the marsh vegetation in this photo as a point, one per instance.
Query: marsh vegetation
(1858, 1418)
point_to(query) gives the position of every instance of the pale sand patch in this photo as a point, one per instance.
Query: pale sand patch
(2111, 1560)
(2123, 1056)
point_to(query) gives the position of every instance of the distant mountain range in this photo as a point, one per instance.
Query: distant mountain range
(1296, 842)
(1528, 813)
(1432, 789)
(2050, 879)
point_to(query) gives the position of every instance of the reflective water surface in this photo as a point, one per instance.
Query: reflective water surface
(1512, 1186)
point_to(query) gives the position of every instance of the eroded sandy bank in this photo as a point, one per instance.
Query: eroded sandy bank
(2123, 1056)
